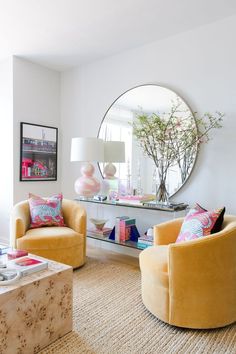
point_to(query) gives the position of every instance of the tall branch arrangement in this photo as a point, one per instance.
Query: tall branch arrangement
(174, 137)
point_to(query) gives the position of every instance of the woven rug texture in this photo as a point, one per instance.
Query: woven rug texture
(109, 318)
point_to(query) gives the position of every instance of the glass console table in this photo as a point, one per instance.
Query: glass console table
(146, 216)
(172, 207)
(130, 244)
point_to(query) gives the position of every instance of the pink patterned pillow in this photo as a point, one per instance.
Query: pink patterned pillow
(46, 211)
(198, 223)
(218, 224)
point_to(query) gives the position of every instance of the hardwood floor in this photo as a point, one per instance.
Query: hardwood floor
(105, 255)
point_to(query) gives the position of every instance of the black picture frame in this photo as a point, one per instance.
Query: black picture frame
(38, 152)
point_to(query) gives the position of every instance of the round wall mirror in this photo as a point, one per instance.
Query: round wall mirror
(120, 124)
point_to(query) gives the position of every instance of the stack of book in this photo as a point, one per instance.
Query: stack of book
(27, 265)
(167, 207)
(125, 229)
(136, 199)
(145, 241)
(117, 226)
(101, 233)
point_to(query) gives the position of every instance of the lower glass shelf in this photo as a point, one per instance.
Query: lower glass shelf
(130, 244)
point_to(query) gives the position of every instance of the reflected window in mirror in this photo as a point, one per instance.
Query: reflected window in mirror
(117, 128)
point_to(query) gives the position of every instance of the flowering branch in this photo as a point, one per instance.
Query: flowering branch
(174, 138)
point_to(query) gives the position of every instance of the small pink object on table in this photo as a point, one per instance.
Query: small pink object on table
(16, 254)
(136, 198)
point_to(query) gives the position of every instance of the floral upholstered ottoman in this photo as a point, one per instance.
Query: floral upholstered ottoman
(36, 310)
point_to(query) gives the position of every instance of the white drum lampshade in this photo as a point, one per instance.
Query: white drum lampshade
(114, 151)
(87, 150)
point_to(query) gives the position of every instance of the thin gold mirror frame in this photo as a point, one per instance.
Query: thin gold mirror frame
(139, 106)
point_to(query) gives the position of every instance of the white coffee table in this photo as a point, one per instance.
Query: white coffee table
(36, 310)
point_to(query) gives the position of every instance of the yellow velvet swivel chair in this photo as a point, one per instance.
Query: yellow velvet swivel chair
(62, 244)
(191, 284)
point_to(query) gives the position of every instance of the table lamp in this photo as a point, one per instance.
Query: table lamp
(87, 150)
(114, 151)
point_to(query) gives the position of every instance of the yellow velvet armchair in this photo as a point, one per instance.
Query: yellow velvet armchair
(62, 244)
(191, 284)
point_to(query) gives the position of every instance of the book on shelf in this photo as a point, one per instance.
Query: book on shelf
(134, 234)
(117, 226)
(125, 229)
(146, 242)
(146, 237)
(27, 265)
(143, 245)
(104, 232)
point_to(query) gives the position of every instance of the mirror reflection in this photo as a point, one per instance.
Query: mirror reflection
(152, 121)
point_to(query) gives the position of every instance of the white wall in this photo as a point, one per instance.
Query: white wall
(36, 99)
(6, 151)
(200, 66)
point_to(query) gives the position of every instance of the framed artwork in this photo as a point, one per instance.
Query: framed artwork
(38, 152)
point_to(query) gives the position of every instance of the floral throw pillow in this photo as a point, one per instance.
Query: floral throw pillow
(198, 223)
(218, 224)
(46, 211)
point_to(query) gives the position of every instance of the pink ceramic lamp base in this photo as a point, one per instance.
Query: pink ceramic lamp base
(87, 185)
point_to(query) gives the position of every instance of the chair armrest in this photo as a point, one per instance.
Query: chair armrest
(74, 216)
(167, 232)
(20, 221)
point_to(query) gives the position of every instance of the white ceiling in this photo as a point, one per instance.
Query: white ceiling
(65, 33)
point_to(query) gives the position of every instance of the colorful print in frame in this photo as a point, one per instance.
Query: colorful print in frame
(38, 152)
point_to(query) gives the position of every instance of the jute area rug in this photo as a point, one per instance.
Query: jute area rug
(109, 317)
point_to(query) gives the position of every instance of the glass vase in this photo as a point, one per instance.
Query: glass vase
(162, 195)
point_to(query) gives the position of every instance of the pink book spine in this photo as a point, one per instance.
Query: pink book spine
(124, 231)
